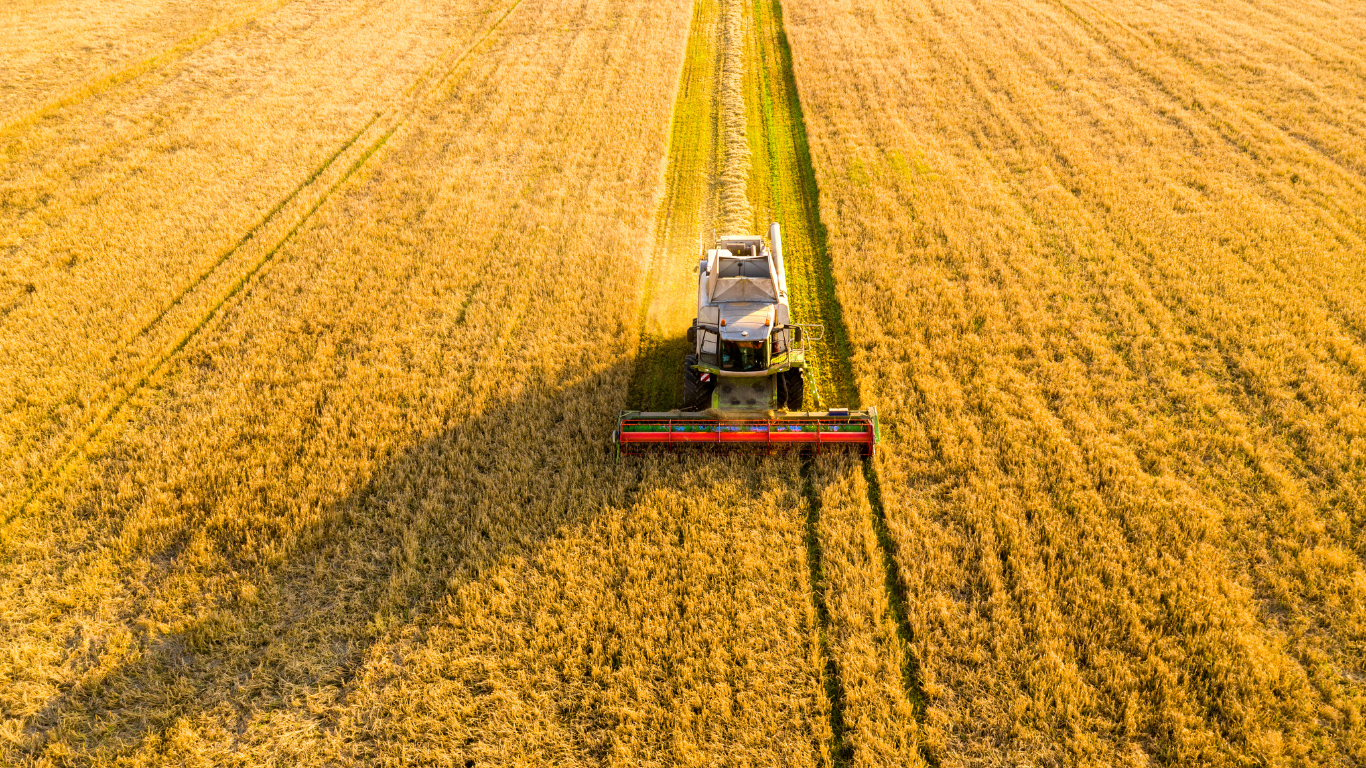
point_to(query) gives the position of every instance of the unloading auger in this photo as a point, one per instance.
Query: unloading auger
(744, 381)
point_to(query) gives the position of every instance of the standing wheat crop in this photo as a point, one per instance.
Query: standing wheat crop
(1102, 284)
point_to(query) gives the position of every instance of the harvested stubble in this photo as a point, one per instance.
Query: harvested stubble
(687, 216)
(1103, 278)
(366, 514)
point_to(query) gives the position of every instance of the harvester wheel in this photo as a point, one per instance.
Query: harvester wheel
(791, 388)
(696, 390)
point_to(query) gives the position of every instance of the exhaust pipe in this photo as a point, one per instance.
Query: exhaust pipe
(775, 238)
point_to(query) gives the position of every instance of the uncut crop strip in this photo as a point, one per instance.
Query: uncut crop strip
(783, 188)
(328, 177)
(127, 74)
(1117, 292)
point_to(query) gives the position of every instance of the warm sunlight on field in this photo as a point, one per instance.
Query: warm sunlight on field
(316, 316)
(1102, 268)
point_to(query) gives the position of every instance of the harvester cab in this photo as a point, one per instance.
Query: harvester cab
(746, 354)
(744, 381)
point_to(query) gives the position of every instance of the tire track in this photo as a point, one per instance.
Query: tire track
(841, 750)
(382, 126)
(156, 61)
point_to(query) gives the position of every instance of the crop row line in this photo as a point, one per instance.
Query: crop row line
(1229, 353)
(398, 115)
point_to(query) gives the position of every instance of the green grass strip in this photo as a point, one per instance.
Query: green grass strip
(657, 380)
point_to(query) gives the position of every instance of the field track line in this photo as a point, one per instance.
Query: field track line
(115, 79)
(795, 200)
(251, 233)
(841, 751)
(398, 116)
(307, 182)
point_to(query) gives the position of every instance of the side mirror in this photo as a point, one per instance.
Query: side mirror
(796, 335)
(692, 336)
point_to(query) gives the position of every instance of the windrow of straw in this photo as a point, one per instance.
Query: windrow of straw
(736, 217)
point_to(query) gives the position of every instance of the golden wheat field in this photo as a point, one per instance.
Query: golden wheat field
(316, 316)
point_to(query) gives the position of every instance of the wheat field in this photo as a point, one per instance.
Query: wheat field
(1102, 266)
(315, 316)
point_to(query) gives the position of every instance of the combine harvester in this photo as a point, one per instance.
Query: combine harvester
(743, 383)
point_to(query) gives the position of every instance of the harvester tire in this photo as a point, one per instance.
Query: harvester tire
(791, 389)
(696, 392)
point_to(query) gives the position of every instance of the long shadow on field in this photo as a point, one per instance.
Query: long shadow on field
(657, 380)
(288, 644)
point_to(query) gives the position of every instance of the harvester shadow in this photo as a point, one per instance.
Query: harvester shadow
(295, 638)
(657, 380)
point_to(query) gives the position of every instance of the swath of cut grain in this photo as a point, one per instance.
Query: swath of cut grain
(735, 215)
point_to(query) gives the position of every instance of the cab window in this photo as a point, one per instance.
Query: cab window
(742, 356)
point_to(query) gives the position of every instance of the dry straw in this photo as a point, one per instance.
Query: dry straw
(1103, 284)
(736, 217)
